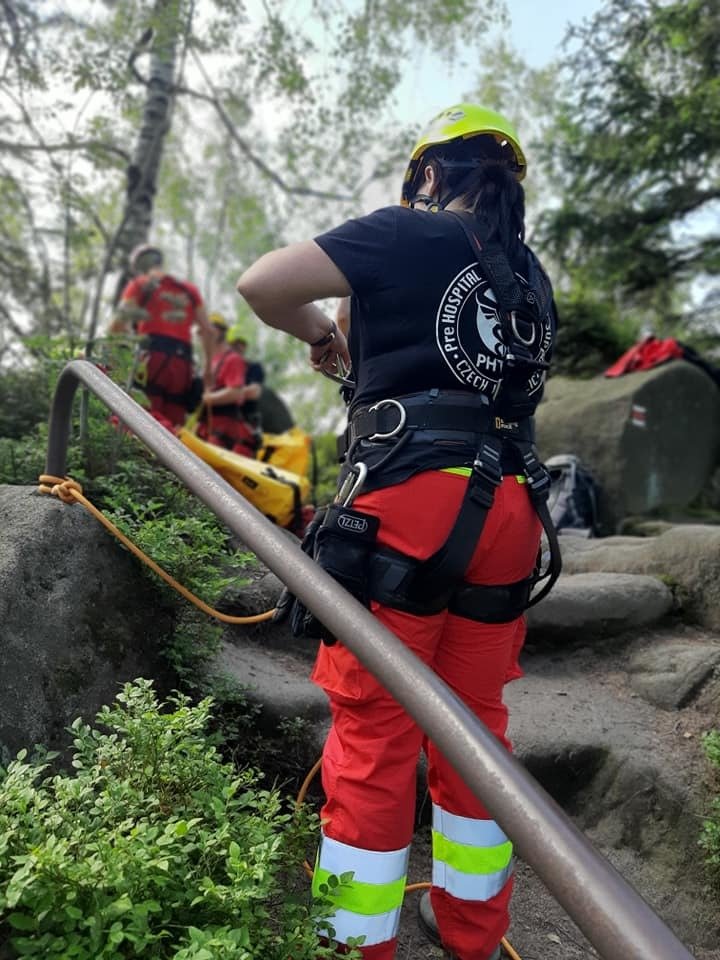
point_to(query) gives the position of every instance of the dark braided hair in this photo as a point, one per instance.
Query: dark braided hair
(490, 189)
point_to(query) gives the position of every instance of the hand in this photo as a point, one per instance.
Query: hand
(207, 397)
(326, 358)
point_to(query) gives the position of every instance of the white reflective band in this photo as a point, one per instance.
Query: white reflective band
(473, 833)
(375, 929)
(469, 886)
(368, 866)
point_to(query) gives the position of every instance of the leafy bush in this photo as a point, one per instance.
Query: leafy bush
(589, 337)
(153, 847)
(326, 467)
(710, 838)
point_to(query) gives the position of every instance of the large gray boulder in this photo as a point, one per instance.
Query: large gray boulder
(593, 605)
(686, 557)
(651, 439)
(77, 619)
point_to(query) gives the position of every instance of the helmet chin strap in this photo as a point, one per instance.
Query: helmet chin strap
(431, 203)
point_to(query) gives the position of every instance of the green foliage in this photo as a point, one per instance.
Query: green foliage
(636, 144)
(710, 838)
(153, 846)
(326, 466)
(590, 336)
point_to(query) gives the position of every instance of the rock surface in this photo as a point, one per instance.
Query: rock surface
(77, 619)
(589, 605)
(687, 557)
(651, 439)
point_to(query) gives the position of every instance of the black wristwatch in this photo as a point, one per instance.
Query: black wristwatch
(328, 338)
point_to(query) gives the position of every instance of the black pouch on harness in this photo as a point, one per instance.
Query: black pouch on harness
(341, 542)
(288, 604)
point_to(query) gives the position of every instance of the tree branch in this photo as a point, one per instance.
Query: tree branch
(245, 147)
(14, 147)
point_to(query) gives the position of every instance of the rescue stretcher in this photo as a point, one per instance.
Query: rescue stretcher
(276, 482)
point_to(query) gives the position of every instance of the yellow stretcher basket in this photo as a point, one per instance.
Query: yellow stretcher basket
(276, 491)
(290, 450)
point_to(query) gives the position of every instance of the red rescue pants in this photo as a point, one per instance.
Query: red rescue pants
(168, 378)
(230, 433)
(370, 757)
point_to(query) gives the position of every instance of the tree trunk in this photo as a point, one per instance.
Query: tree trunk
(142, 171)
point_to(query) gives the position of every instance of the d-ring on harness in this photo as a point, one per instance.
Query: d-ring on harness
(401, 422)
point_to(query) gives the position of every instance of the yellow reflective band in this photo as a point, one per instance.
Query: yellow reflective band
(458, 471)
(466, 471)
(367, 899)
(468, 859)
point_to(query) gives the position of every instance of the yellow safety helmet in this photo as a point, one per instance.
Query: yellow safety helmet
(462, 122)
(218, 320)
(236, 334)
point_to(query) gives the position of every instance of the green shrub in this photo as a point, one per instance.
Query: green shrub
(589, 336)
(710, 837)
(153, 847)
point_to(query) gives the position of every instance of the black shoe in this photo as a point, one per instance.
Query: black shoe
(428, 925)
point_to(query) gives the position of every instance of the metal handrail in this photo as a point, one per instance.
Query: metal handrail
(609, 911)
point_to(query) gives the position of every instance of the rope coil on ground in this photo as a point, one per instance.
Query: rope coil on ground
(70, 491)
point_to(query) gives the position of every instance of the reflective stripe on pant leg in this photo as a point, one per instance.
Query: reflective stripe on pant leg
(472, 859)
(369, 905)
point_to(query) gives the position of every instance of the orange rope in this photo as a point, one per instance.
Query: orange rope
(424, 885)
(70, 491)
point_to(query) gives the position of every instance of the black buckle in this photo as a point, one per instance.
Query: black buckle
(537, 475)
(487, 473)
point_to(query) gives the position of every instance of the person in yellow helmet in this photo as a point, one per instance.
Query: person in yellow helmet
(451, 331)
(224, 423)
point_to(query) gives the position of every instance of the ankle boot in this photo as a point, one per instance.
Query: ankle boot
(428, 924)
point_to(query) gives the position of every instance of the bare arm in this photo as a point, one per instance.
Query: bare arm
(252, 391)
(281, 288)
(215, 398)
(126, 312)
(203, 324)
(342, 315)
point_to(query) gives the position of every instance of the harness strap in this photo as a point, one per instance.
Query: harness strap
(432, 411)
(447, 566)
(539, 488)
(170, 346)
(510, 295)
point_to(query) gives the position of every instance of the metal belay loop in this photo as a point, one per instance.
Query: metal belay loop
(401, 423)
(60, 487)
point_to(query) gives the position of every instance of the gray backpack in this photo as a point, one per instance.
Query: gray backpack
(573, 496)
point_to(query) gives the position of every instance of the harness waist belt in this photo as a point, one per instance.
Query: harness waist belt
(168, 345)
(390, 418)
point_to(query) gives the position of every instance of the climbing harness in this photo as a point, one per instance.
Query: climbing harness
(410, 888)
(70, 491)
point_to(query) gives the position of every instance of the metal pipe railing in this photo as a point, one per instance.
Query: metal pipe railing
(610, 912)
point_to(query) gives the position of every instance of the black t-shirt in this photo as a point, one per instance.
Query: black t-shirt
(423, 316)
(255, 373)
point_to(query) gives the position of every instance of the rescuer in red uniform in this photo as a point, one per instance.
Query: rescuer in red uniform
(225, 423)
(163, 311)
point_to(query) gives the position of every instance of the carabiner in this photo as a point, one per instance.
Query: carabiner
(352, 484)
